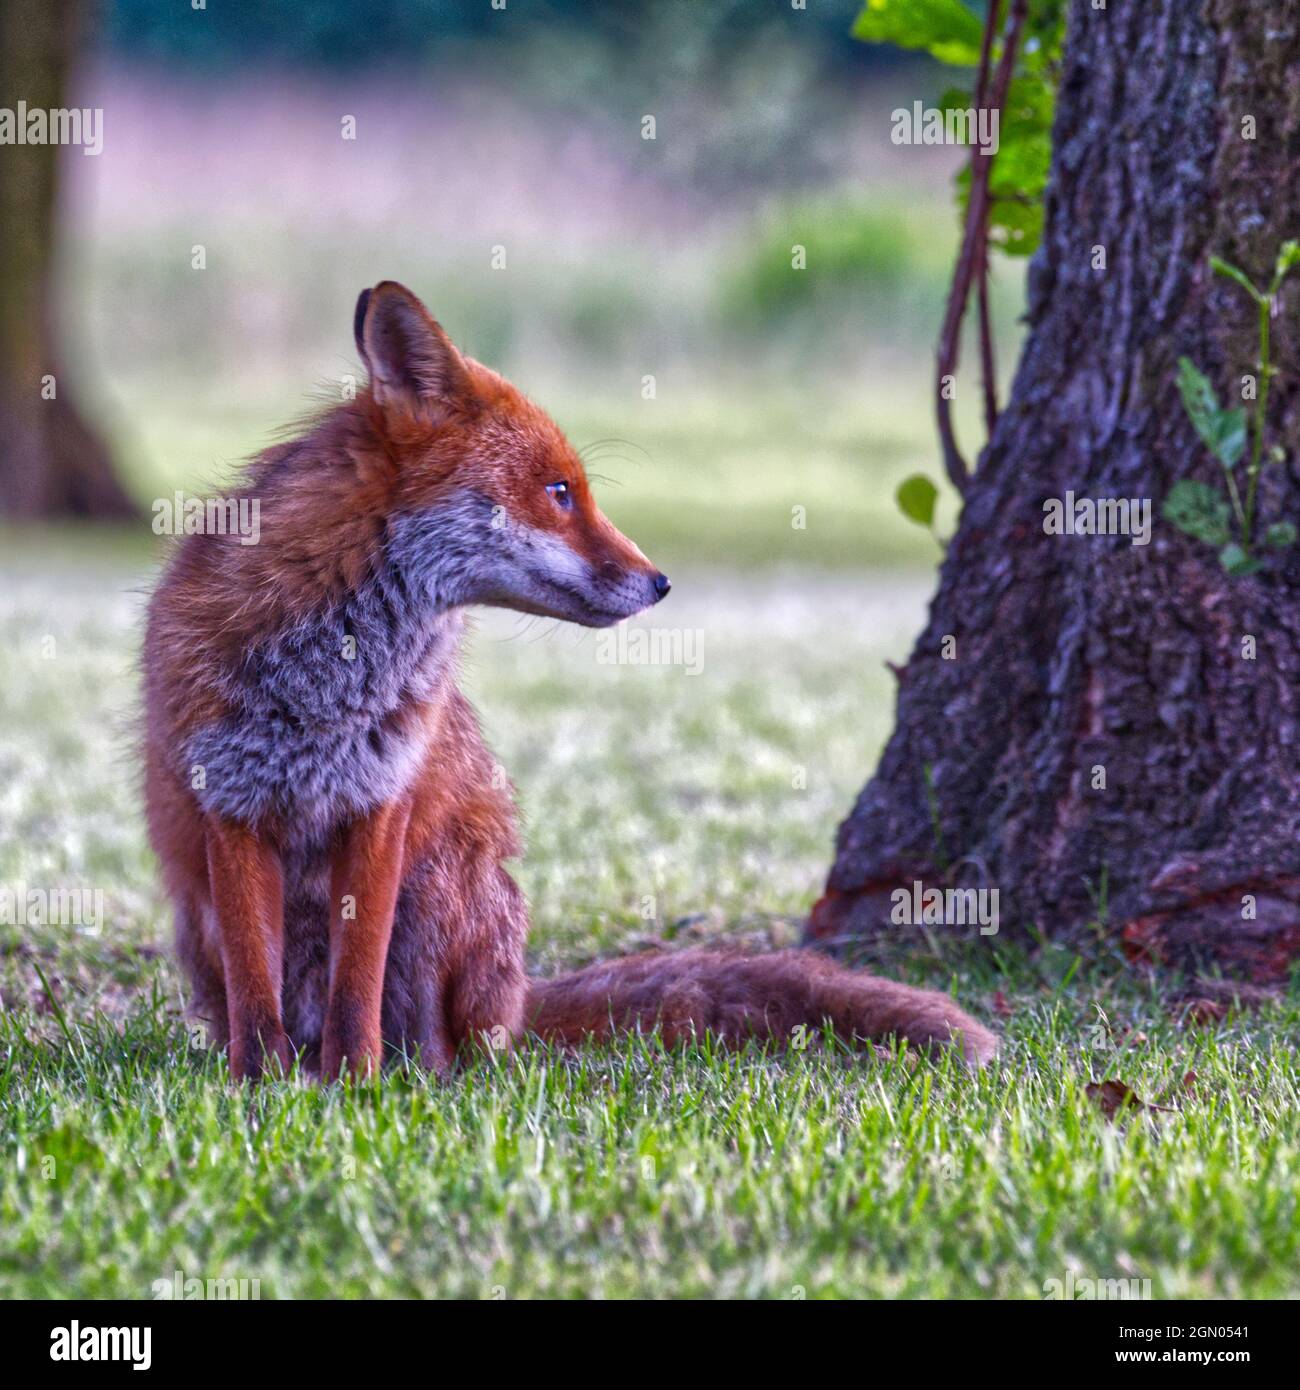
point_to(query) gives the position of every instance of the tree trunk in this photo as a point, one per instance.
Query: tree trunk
(51, 462)
(1083, 658)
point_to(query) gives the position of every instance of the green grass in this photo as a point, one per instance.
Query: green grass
(660, 805)
(632, 1172)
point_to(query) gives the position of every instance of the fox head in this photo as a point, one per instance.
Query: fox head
(491, 504)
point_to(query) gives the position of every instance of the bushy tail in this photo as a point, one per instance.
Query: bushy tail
(737, 996)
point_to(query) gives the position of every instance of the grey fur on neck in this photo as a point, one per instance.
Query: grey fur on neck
(326, 723)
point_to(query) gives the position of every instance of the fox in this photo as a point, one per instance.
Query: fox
(331, 829)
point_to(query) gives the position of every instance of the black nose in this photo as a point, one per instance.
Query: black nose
(662, 585)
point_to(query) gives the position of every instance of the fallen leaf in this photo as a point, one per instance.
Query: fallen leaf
(1204, 1011)
(1113, 1096)
(1001, 1006)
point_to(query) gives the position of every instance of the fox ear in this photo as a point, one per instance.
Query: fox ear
(413, 364)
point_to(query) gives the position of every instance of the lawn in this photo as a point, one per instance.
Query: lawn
(679, 802)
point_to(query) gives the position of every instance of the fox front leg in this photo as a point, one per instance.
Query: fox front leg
(247, 889)
(365, 876)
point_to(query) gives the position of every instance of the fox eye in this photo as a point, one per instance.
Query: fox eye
(561, 495)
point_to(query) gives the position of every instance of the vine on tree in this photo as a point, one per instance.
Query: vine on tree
(1015, 50)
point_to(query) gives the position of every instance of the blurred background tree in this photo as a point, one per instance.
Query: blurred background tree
(53, 462)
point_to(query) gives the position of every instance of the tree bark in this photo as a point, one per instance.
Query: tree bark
(52, 463)
(1075, 654)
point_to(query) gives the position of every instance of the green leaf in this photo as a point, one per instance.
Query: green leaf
(1018, 177)
(1230, 443)
(945, 29)
(1235, 561)
(1043, 33)
(1198, 511)
(916, 497)
(1231, 272)
(1223, 431)
(1015, 228)
(956, 99)
(1281, 534)
(952, 32)
(1288, 255)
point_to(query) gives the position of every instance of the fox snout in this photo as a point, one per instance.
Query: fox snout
(619, 581)
(623, 594)
(544, 574)
(658, 586)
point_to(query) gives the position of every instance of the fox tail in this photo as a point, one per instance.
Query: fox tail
(736, 996)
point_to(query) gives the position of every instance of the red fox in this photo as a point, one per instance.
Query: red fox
(330, 830)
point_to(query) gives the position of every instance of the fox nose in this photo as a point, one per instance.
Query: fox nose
(662, 585)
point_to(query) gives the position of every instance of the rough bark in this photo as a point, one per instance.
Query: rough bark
(1074, 652)
(52, 462)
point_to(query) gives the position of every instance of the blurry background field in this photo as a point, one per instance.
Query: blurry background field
(519, 135)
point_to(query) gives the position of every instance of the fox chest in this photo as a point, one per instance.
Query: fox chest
(270, 766)
(326, 723)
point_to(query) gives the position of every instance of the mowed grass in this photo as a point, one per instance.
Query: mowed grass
(661, 805)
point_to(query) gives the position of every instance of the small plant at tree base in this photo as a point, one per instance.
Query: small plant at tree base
(1202, 511)
(1100, 896)
(936, 826)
